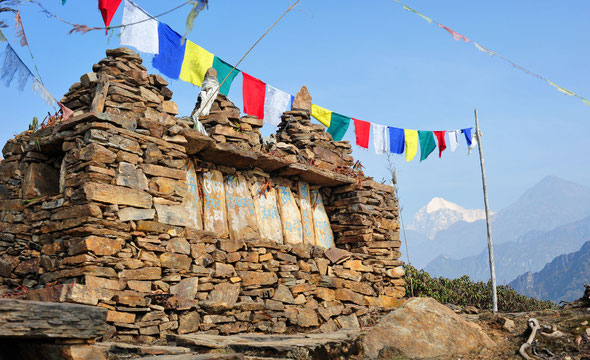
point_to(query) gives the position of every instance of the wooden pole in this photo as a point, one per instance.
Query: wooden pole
(489, 226)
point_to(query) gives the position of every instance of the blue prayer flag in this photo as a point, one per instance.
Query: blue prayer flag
(396, 140)
(467, 133)
(171, 52)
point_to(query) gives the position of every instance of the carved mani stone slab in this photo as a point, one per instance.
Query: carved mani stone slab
(267, 213)
(241, 213)
(192, 201)
(290, 216)
(214, 210)
(323, 231)
(306, 215)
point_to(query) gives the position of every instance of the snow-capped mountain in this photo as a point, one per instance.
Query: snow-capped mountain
(439, 214)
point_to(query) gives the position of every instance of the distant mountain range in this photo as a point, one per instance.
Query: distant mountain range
(550, 203)
(562, 279)
(439, 214)
(530, 252)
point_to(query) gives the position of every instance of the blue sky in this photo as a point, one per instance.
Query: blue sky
(376, 62)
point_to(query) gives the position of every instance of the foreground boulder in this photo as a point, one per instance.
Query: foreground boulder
(423, 328)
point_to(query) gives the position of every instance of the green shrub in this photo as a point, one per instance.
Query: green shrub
(464, 292)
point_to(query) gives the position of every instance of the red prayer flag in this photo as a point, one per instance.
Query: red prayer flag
(108, 8)
(442, 145)
(456, 35)
(253, 92)
(362, 130)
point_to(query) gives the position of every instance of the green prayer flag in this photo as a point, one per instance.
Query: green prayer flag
(2, 37)
(338, 126)
(223, 69)
(427, 143)
(63, 2)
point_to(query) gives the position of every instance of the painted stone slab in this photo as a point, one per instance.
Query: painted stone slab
(323, 232)
(214, 210)
(267, 213)
(306, 215)
(241, 213)
(290, 217)
(192, 199)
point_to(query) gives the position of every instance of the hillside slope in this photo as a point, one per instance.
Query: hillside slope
(562, 279)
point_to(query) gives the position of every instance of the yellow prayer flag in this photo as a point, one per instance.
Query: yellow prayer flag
(411, 137)
(586, 101)
(195, 64)
(322, 115)
(561, 90)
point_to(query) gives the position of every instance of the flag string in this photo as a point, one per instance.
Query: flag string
(85, 28)
(486, 50)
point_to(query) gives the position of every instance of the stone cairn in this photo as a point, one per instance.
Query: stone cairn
(93, 211)
(301, 141)
(225, 125)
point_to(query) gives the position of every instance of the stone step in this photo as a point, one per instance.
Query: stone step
(335, 345)
(197, 357)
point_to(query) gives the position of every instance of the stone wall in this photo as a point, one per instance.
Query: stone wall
(126, 207)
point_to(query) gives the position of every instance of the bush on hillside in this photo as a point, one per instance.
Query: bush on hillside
(464, 292)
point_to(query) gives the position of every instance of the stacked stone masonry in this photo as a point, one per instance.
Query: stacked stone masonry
(126, 207)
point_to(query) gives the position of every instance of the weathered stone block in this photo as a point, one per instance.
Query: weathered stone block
(186, 288)
(117, 195)
(148, 273)
(257, 278)
(175, 261)
(97, 153)
(98, 245)
(128, 175)
(131, 213)
(40, 180)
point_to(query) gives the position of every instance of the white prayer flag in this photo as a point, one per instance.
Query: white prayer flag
(454, 139)
(380, 138)
(142, 36)
(276, 102)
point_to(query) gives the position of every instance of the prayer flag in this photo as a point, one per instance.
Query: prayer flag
(43, 93)
(170, 52)
(108, 8)
(362, 130)
(427, 144)
(453, 139)
(396, 140)
(380, 138)
(483, 49)
(142, 36)
(473, 144)
(276, 102)
(63, 2)
(14, 66)
(195, 64)
(456, 35)
(467, 133)
(338, 126)
(20, 30)
(223, 69)
(66, 112)
(440, 136)
(322, 115)
(253, 93)
(561, 90)
(411, 141)
(2, 37)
